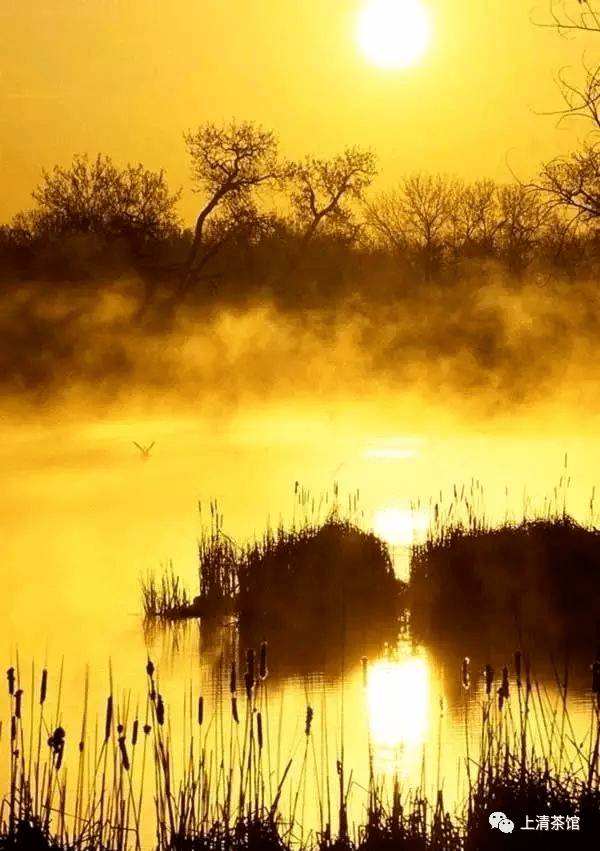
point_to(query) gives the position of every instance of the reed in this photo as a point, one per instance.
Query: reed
(218, 797)
(161, 597)
(536, 577)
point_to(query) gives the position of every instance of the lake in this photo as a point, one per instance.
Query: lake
(84, 517)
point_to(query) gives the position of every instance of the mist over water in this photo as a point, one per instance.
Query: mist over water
(400, 402)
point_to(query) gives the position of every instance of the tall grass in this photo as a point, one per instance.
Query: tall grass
(162, 597)
(227, 791)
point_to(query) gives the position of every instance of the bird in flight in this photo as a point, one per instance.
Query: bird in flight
(145, 451)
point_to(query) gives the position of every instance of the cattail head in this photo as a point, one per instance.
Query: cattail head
(249, 683)
(234, 710)
(465, 675)
(56, 740)
(309, 718)
(108, 719)
(503, 691)
(259, 729)
(146, 728)
(150, 669)
(263, 661)
(233, 679)
(13, 728)
(120, 728)
(43, 686)
(124, 755)
(160, 710)
(18, 696)
(10, 676)
(80, 747)
(364, 670)
(134, 733)
(489, 678)
(200, 710)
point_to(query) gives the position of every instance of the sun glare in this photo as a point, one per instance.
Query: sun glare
(397, 699)
(400, 526)
(394, 33)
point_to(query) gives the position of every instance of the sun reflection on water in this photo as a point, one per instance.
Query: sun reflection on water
(397, 705)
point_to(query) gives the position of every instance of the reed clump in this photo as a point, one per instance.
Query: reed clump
(318, 585)
(163, 597)
(322, 581)
(539, 577)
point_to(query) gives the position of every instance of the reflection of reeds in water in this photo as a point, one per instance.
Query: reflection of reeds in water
(230, 795)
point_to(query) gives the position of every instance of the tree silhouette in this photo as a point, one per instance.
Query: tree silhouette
(99, 198)
(321, 190)
(417, 215)
(228, 165)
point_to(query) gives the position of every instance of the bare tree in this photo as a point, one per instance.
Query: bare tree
(228, 165)
(97, 197)
(574, 182)
(323, 189)
(477, 218)
(418, 215)
(524, 220)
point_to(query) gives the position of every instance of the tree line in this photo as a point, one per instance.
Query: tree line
(249, 195)
(257, 209)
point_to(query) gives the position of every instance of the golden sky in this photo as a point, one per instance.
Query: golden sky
(127, 77)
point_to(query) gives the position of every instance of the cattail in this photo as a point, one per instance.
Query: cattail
(108, 720)
(13, 728)
(259, 729)
(57, 743)
(80, 747)
(518, 668)
(503, 691)
(10, 676)
(249, 683)
(489, 678)
(43, 686)
(232, 679)
(124, 754)
(160, 710)
(263, 661)
(364, 670)
(309, 717)
(466, 676)
(200, 710)
(18, 695)
(134, 733)
(234, 710)
(146, 728)
(120, 728)
(150, 669)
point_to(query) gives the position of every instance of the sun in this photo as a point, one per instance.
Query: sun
(394, 33)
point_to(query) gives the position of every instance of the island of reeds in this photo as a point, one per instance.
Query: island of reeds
(327, 585)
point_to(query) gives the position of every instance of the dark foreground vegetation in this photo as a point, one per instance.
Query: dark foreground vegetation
(65, 792)
(325, 585)
(536, 580)
(315, 590)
